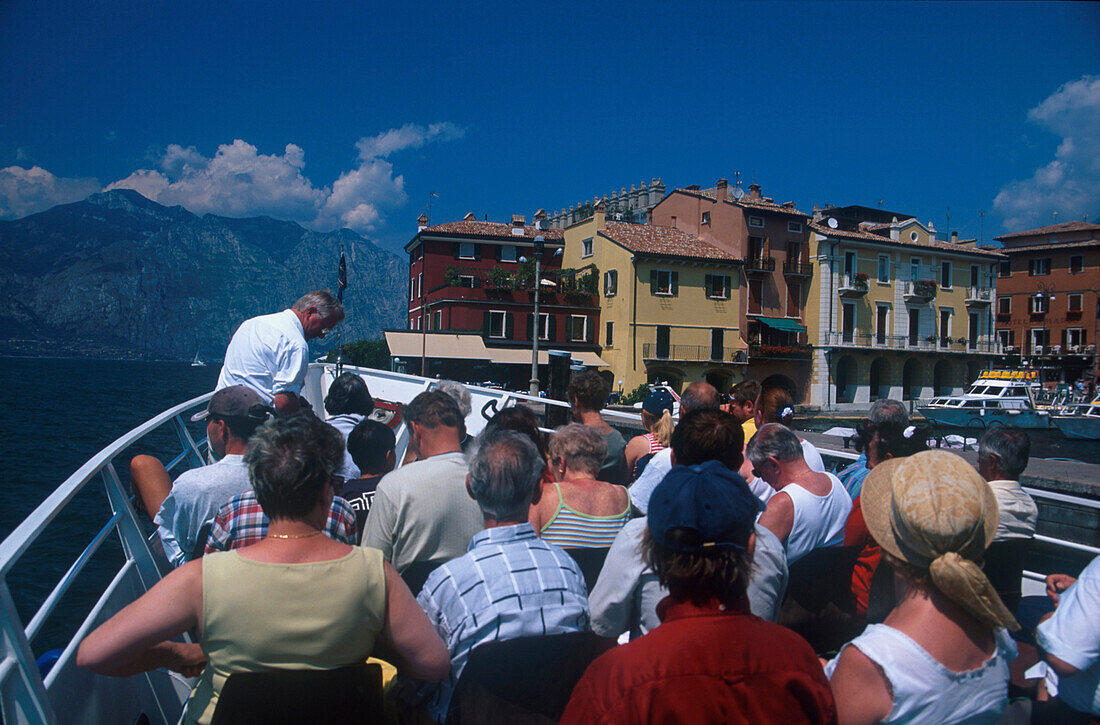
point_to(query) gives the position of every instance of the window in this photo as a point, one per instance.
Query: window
(756, 296)
(945, 275)
(848, 322)
(795, 227)
(1038, 267)
(945, 327)
(883, 268)
(718, 286)
(1038, 304)
(1076, 264)
(663, 283)
(1005, 337)
(756, 221)
(578, 328)
(914, 326)
(975, 275)
(499, 324)
(508, 252)
(794, 299)
(756, 247)
(1075, 303)
(412, 289)
(439, 319)
(849, 263)
(466, 280)
(1075, 338)
(419, 283)
(610, 283)
(546, 326)
(1038, 339)
(1005, 269)
(717, 338)
(794, 252)
(1004, 305)
(913, 236)
(974, 330)
(467, 250)
(586, 247)
(663, 346)
(881, 324)
(914, 268)
(609, 336)
(706, 218)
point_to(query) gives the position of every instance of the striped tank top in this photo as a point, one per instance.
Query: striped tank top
(654, 444)
(570, 529)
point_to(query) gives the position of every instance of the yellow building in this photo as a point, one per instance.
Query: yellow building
(893, 311)
(668, 302)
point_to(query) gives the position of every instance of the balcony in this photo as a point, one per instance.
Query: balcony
(780, 352)
(797, 268)
(853, 285)
(692, 353)
(834, 338)
(921, 290)
(759, 264)
(979, 296)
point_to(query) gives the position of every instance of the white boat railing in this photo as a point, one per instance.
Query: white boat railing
(67, 694)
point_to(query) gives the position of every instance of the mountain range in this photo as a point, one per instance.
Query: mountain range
(118, 275)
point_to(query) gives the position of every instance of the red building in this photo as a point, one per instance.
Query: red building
(772, 240)
(471, 301)
(1048, 299)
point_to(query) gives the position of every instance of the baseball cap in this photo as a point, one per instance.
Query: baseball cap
(657, 402)
(235, 401)
(707, 498)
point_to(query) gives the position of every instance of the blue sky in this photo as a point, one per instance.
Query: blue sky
(350, 114)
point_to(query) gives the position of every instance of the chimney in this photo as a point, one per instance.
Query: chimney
(518, 222)
(540, 219)
(599, 214)
(895, 229)
(723, 185)
(955, 237)
(754, 191)
(470, 217)
(421, 222)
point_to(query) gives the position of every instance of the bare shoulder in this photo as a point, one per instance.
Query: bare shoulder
(778, 517)
(860, 688)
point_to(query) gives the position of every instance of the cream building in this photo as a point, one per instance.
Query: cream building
(894, 312)
(668, 302)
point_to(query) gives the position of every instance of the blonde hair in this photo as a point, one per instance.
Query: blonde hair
(659, 427)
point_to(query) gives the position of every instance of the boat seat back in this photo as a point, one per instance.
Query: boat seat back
(350, 694)
(1004, 566)
(590, 560)
(417, 573)
(818, 603)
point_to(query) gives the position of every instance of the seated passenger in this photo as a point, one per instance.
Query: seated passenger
(461, 396)
(1002, 457)
(742, 405)
(775, 405)
(658, 423)
(697, 396)
(371, 445)
(587, 394)
(259, 607)
(575, 510)
(710, 660)
(242, 522)
(882, 411)
(1070, 640)
(348, 402)
(520, 418)
(809, 509)
(510, 584)
(942, 654)
(181, 509)
(626, 595)
(421, 511)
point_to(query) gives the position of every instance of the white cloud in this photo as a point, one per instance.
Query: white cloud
(409, 136)
(1070, 183)
(26, 191)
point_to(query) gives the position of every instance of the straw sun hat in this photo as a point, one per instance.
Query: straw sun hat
(934, 512)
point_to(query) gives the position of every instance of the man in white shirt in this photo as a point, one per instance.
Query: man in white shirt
(1070, 640)
(270, 353)
(1002, 457)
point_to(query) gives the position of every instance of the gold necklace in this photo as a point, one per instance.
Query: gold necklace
(294, 536)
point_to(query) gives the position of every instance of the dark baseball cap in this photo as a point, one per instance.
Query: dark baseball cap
(710, 500)
(657, 402)
(235, 401)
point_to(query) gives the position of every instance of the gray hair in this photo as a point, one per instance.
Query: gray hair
(503, 474)
(290, 461)
(699, 396)
(582, 447)
(773, 440)
(1012, 448)
(888, 410)
(458, 393)
(323, 301)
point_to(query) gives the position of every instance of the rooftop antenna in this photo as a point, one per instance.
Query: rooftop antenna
(431, 195)
(948, 215)
(1055, 215)
(880, 202)
(342, 283)
(981, 226)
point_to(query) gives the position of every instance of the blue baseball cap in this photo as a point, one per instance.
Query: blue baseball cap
(709, 499)
(657, 402)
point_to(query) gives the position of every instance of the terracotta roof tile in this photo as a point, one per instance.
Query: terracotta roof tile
(664, 241)
(1075, 226)
(756, 204)
(1047, 247)
(880, 239)
(492, 229)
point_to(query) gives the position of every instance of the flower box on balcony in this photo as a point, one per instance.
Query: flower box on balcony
(924, 288)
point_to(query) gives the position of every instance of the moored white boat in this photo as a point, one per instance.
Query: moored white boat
(1080, 421)
(1004, 397)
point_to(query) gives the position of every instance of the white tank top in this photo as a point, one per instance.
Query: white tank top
(763, 490)
(818, 520)
(927, 692)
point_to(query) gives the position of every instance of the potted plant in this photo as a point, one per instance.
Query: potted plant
(450, 277)
(925, 287)
(499, 280)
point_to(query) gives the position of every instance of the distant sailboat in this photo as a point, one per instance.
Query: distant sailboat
(197, 363)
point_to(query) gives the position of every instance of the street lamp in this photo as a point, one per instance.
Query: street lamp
(540, 245)
(1046, 292)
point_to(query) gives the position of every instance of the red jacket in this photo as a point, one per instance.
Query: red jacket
(705, 665)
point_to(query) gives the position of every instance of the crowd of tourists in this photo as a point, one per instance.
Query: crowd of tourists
(674, 556)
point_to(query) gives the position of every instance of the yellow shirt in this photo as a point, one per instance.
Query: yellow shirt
(749, 426)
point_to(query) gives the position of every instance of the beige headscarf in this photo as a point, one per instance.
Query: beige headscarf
(933, 511)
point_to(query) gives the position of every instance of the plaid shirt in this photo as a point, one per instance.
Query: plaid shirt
(509, 584)
(242, 522)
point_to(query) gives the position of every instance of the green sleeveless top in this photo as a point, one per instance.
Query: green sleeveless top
(258, 615)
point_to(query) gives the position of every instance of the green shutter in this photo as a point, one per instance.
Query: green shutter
(509, 330)
(530, 326)
(552, 332)
(675, 284)
(485, 324)
(590, 329)
(652, 281)
(569, 328)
